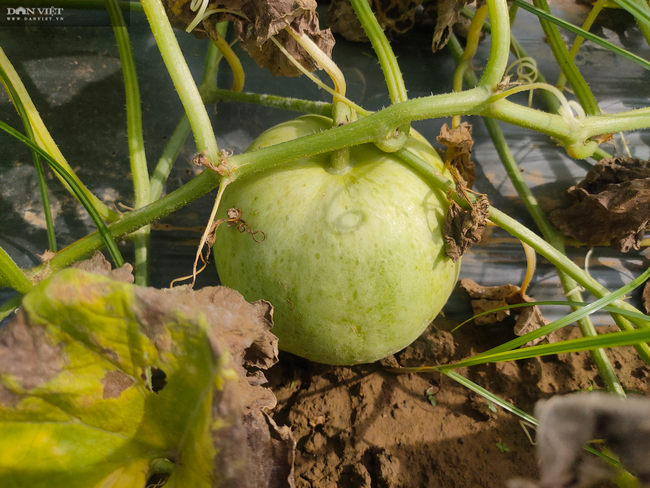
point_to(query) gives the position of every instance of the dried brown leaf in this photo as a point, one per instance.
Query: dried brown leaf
(463, 228)
(459, 144)
(266, 18)
(486, 298)
(646, 297)
(612, 204)
(342, 20)
(448, 14)
(395, 16)
(98, 264)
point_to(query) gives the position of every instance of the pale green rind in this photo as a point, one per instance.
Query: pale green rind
(62, 432)
(353, 264)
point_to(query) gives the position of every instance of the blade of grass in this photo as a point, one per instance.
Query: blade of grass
(564, 303)
(470, 385)
(572, 317)
(44, 139)
(581, 32)
(77, 190)
(42, 185)
(137, 156)
(612, 339)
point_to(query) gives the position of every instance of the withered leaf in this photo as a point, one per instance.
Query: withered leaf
(646, 296)
(611, 204)
(86, 347)
(98, 264)
(342, 20)
(259, 20)
(486, 298)
(395, 16)
(459, 144)
(463, 228)
(448, 14)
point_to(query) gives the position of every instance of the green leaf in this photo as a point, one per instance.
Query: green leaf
(77, 370)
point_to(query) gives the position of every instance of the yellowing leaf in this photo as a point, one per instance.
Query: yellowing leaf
(95, 385)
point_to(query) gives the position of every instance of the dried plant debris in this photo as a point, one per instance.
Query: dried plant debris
(612, 204)
(464, 228)
(447, 14)
(256, 23)
(458, 155)
(98, 264)
(486, 298)
(568, 423)
(103, 370)
(646, 296)
(395, 16)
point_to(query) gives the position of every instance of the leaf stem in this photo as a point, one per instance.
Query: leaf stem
(274, 101)
(137, 156)
(499, 44)
(182, 78)
(389, 66)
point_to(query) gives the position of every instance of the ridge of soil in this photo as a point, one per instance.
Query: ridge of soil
(366, 427)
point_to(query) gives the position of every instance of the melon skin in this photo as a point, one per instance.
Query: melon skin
(353, 263)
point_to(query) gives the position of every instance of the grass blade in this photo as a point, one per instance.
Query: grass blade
(42, 184)
(613, 339)
(587, 35)
(77, 190)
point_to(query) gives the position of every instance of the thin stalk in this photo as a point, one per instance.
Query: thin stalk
(11, 274)
(274, 101)
(42, 184)
(137, 156)
(575, 47)
(389, 66)
(587, 35)
(10, 305)
(499, 45)
(566, 64)
(206, 88)
(182, 78)
(385, 55)
(464, 64)
(45, 141)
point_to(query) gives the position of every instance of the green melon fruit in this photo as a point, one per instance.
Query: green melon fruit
(353, 263)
